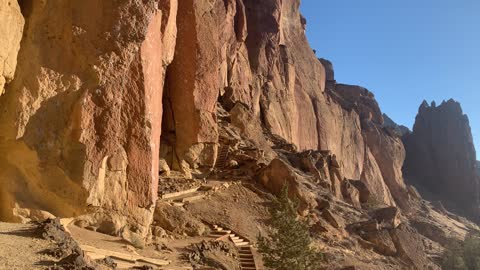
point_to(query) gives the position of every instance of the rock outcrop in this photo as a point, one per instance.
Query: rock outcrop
(104, 98)
(103, 90)
(11, 29)
(441, 156)
(399, 129)
(81, 121)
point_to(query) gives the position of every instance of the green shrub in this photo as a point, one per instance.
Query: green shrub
(463, 255)
(289, 247)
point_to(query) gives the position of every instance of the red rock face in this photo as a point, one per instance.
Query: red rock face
(86, 107)
(384, 152)
(441, 155)
(93, 101)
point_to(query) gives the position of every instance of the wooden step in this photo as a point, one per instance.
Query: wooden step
(246, 256)
(239, 241)
(218, 232)
(179, 193)
(190, 197)
(178, 204)
(217, 235)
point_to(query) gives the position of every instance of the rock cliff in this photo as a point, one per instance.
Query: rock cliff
(441, 156)
(101, 96)
(82, 121)
(11, 29)
(103, 103)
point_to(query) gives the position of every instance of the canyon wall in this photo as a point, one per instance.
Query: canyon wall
(82, 121)
(11, 29)
(259, 57)
(441, 156)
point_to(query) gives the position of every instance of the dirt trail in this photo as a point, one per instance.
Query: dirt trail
(21, 248)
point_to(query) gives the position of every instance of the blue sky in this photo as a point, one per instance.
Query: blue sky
(403, 51)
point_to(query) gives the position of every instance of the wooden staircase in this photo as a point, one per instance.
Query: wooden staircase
(222, 156)
(247, 259)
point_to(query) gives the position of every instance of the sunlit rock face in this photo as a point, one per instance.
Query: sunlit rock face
(441, 156)
(11, 29)
(80, 126)
(103, 88)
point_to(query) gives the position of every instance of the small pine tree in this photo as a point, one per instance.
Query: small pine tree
(289, 246)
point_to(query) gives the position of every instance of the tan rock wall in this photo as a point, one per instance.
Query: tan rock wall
(11, 29)
(85, 105)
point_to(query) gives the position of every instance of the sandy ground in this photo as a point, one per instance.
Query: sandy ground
(21, 249)
(237, 208)
(175, 253)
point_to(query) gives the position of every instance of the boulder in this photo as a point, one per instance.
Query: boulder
(323, 203)
(410, 247)
(177, 220)
(363, 189)
(388, 217)
(279, 174)
(26, 215)
(336, 221)
(351, 194)
(163, 168)
(381, 241)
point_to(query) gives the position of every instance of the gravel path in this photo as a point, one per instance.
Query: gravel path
(20, 249)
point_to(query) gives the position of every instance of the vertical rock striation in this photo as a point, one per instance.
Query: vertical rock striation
(11, 29)
(81, 120)
(94, 102)
(441, 155)
(256, 54)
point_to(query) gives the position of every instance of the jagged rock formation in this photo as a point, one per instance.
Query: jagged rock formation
(441, 155)
(399, 129)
